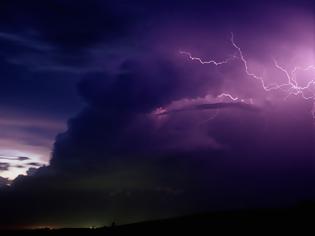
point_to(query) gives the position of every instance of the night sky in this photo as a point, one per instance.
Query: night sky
(137, 110)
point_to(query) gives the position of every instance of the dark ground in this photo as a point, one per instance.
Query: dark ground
(294, 221)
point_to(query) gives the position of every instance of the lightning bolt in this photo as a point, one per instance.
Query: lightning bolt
(216, 63)
(290, 86)
(228, 96)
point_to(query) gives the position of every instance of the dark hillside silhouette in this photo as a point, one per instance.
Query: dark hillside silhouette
(252, 222)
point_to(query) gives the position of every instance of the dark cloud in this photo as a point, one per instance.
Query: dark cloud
(36, 164)
(136, 87)
(46, 47)
(19, 166)
(237, 105)
(66, 24)
(4, 166)
(23, 158)
(24, 42)
(4, 182)
(4, 157)
(31, 171)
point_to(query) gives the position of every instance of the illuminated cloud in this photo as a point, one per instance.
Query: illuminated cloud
(25, 139)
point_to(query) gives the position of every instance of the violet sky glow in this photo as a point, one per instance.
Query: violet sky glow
(297, 82)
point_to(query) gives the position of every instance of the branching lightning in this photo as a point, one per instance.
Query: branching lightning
(290, 86)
